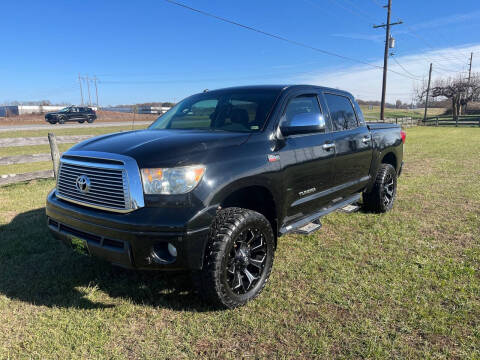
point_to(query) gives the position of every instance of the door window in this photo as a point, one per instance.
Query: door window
(341, 112)
(300, 105)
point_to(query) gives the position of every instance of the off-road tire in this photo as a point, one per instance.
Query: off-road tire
(375, 200)
(61, 120)
(81, 121)
(227, 227)
(90, 120)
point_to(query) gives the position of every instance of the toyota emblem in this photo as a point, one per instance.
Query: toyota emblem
(83, 184)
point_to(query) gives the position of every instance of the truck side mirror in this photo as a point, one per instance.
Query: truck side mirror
(303, 123)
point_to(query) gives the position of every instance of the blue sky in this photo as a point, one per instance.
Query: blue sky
(155, 51)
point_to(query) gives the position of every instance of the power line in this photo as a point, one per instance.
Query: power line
(408, 72)
(413, 33)
(353, 11)
(360, 10)
(278, 37)
(421, 38)
(377, 3)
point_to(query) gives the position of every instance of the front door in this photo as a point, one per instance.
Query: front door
(307, 162)
(353, 146)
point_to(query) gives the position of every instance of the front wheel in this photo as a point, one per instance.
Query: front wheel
(238, 258)
(90, 120)
(81, 121)
(62, 120)
(381, 197)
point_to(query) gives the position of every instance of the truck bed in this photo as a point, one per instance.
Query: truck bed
(378, 126)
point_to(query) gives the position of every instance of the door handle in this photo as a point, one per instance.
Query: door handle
(328, 146)
(366, 140)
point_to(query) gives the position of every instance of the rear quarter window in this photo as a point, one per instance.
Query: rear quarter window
(341, 112)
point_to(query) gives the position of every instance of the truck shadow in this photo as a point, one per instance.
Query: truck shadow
(36, 268)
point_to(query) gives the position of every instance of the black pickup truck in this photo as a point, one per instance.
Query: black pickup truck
(71, 113)
(213, 183)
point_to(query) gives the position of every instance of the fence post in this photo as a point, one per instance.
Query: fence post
(436, 122)
(55, 153)
(396, 120)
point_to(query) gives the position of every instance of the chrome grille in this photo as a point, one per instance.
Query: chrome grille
(107, 185)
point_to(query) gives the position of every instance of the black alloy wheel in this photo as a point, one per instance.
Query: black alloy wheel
(246, 261)
(238, 258)
(388, 189)
(381, 196)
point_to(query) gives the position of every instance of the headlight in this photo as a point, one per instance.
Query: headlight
(178, 180)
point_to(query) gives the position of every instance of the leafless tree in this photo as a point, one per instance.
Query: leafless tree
(458, 90)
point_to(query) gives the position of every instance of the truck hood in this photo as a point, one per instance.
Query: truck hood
(164, 148)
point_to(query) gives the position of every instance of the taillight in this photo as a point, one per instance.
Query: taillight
(403, 134)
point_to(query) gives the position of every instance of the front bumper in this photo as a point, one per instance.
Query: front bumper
(135, 239)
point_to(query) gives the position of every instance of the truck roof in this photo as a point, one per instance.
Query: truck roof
(281, 88)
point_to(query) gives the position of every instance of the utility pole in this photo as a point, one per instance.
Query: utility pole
(428, 91)
(385, 56)
(88, 87)
(469, 78)
(96, 89)
(80, 82)
(470, 68)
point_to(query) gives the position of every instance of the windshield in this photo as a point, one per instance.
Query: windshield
(227, 110)
(65, 109)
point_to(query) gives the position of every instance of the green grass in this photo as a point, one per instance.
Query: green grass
(393, 113)
(34, 149)
(24, 168)
(70, 131)
(400, 285)
(39, 149)
(25, 150)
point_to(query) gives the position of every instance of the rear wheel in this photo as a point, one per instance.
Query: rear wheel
(382, 195)
(238, 258)
(61, 120)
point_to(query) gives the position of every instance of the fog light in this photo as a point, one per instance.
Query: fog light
(172, 250)
(164, 253)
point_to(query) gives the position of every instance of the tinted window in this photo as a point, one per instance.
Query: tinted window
(341, 112)
(299, 105)
(195, 116)
(228, 110)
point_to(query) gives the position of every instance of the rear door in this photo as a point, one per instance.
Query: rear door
(83, 113)
(306, 164)
(353, 145)
(73, 113)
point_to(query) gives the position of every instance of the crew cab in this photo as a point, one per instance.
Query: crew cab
(71, 113)
(212, 184)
